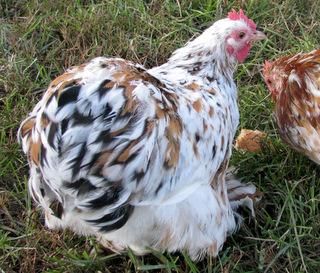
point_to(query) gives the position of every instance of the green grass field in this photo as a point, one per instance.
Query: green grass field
(39, 39)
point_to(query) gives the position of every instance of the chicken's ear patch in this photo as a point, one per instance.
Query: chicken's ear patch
(233, 15)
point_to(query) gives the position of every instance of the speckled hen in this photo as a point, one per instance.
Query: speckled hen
(294, 83)
(138, 157)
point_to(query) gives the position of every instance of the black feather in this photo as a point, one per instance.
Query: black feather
(82, 186)
(79, 119)
(110, 196)
(52, 134)
(64, 125)
(118, 224)
(214, 150)
(102, 90)
(110, 216)
(138, 176)
(76, 162)
(68, 95)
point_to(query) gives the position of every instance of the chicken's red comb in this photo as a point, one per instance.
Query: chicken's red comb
(267, 67)
(233, 15)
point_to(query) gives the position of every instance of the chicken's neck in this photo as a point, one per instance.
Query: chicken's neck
(194, 60)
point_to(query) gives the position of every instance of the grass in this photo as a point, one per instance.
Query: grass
(39, 39)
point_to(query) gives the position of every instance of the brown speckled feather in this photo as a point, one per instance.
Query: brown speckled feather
(294, 83)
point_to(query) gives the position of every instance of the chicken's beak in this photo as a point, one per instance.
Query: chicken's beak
(258, 35)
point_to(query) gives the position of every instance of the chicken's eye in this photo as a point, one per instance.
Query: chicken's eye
(269, 81)
(241, 34)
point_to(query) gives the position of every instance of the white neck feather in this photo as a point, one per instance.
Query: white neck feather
(204, 57)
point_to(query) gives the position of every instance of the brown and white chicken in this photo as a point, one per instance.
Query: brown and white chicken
(294, 83)
(138, 156)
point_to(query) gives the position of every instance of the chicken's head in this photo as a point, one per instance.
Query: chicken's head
(274, 78)
(228, 41)
(243, 32)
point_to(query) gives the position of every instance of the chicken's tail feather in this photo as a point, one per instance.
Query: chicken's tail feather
(241, 194)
